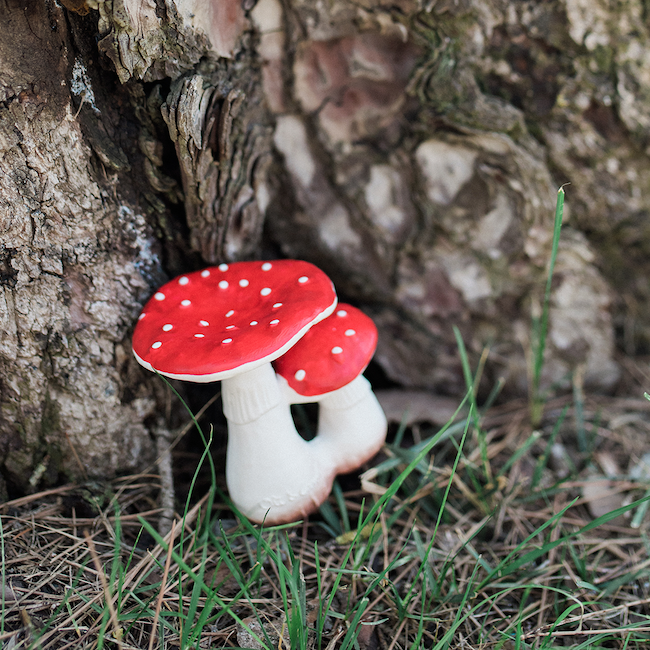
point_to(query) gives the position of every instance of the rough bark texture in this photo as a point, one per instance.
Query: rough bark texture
(77, 260)
(429, 196)
(411, 149)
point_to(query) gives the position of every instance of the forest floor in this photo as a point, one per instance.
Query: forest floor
(482, 533)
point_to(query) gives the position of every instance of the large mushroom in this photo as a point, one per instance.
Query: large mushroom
(325, 366)
(228, 323)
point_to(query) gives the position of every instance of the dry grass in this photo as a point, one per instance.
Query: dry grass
(503, 543)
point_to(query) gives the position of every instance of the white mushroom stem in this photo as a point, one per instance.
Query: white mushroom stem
(273, 475)
(351, 423)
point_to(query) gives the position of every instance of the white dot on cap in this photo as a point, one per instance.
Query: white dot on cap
(337, 350)
(300, 375)
(226, 341)
(183, 280)
(159, 296)
(205, 274)
(223, 267)
(303, 279)
(244, 283)
(230, 313)
(156, 345)
(167, 327)
(231, 327)
(277, 304)
(266, 291)
(223, 284)
(267, 266)
(141, 316)
(253, 322)
(204, 323)
(275, 321)
(199, 336)
(186, 302)
(342, 313)
(350, 332)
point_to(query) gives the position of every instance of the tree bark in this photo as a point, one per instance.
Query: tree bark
(78, 257)
(413, 150)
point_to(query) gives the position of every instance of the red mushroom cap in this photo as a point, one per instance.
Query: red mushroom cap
(214, 324)
(331, 354)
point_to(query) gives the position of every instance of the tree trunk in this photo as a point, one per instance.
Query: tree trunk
(78, 256)
(412, 150)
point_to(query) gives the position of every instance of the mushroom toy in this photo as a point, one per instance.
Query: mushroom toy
(325, 366)
(228, 323)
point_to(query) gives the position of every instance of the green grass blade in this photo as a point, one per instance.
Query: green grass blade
(540, 329)
(505, 567)
(460, 617)
(519, 453)
(207, 442)
(444, 501)
(579, 402)
(226, 608)
(343, 510)
(353, 630)
(543, 459)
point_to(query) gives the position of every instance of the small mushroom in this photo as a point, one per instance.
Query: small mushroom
(228, 323)
(325, 366)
